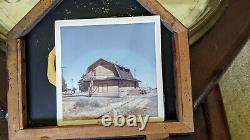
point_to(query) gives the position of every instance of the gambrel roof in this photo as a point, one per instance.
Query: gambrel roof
(122, 72)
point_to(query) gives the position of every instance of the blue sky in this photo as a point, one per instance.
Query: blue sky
(130, 45)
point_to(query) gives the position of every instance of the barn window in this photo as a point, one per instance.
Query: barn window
(103, 88)
(100, 88)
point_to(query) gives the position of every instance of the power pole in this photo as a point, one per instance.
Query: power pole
(63, 80)
(134, 73)
(91, 84)
(63, 69)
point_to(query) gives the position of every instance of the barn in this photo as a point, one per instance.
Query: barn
(109, 79)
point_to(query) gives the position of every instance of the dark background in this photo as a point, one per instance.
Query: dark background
(209, 58)
(40, 41)
(3, 77)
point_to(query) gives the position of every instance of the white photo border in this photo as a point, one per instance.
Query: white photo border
(108, 21)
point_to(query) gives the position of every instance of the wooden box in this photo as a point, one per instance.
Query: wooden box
(20, 67)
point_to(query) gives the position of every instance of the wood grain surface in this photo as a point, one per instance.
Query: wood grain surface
(210, 120)
(213, 54)
(22, 83)
(17, 78)
(215, 116)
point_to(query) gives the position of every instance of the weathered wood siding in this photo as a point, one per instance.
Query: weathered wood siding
(115, 88)
(127, 85)
(106, 88)
(104, 71)
(128, 88)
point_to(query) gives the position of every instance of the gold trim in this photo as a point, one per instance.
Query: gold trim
(206, 21)
(51, 67)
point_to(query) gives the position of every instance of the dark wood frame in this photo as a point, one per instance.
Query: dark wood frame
(17, 107)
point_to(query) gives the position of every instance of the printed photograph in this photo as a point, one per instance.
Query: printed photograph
(106, 66)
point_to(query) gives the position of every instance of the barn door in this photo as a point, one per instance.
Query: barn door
(102, 88)
(105, 88)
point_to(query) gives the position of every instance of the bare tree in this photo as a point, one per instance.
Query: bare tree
(83, 86)
(64, 85)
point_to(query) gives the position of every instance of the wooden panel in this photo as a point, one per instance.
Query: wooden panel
(13, 90)
(235, 32)
(182, 79)
(181, 60)
(213, 54)
(210, 119)
(216, 117)
(22, 83)
(17, 81)
(100, 131)
(200, 124)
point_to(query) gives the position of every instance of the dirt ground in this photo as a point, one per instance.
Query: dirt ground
(82, 107)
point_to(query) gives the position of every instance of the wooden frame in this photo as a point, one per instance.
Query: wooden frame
(17, 94)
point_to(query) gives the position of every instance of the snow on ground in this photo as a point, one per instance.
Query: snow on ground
(82, 107)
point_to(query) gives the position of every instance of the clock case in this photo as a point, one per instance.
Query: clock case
(32, 99)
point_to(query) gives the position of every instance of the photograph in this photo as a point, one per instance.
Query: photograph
(106, 66)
